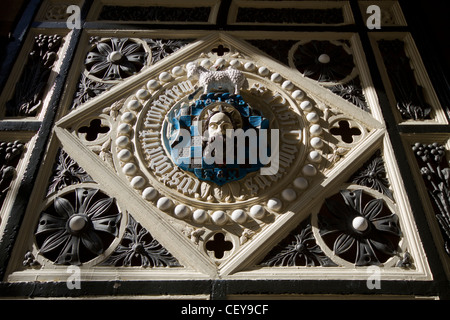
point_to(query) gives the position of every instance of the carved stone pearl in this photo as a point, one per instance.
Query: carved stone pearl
(360, 224)
(115, 56)
(77, 222)
(324, 58)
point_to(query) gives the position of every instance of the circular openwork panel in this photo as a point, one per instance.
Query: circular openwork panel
(77, 226)
(359, 228)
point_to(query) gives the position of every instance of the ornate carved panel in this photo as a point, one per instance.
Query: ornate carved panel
(132, 185)
(210, 144)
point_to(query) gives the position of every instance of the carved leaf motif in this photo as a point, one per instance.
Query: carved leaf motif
(222, 193)
(66, 172)
(205, 188)
(343, 243)
(105, 153)
(113, 110)
(139, 248)
(247, 234)
(298, 249)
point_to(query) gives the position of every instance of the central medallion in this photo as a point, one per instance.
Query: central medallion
(215, 136)
(219, 141)
(218, 137)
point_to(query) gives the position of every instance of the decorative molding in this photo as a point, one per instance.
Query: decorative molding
(142, 158)
(185, 223)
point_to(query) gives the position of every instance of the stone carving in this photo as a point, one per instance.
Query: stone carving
(155, 13)
(290, 15)
(298, 249)
(29, 90)
(139, 248)
(358, 228)
(66, 172)
(352, 92)
(230, 80)
(194, 234)
(207, 120)
(88, 89)
(436, 175)
(161, 48)
(30, 261)
(78, 227)
(373, 175)
(115, 58)
(10, 153)
(324, 61)
(406, 262)
(411, 102)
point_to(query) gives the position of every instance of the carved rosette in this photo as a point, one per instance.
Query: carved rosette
(358, 228)
(78, 226)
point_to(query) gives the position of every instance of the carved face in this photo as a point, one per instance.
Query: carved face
(218, 124)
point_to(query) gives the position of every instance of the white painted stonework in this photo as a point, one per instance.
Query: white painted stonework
(132, 164)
